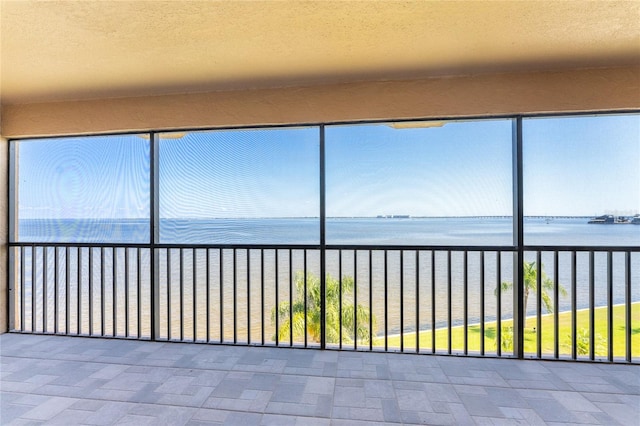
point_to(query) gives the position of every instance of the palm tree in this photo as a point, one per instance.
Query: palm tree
(355, 320)
(531, 286)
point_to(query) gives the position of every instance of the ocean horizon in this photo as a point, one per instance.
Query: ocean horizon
(454, 231)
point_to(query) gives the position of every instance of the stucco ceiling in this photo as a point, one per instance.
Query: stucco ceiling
(59, 50)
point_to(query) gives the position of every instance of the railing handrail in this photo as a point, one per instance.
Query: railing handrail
(286, 246)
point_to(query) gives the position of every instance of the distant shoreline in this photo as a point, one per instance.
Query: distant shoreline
(302, 217)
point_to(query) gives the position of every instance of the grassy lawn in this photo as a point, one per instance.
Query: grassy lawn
(530, 336)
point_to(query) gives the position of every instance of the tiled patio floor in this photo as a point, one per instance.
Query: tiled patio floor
(67, 381)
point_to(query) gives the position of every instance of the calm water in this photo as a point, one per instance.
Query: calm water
(411, 231)
(190, 268)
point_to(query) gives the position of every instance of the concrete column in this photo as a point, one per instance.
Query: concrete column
(4, 235)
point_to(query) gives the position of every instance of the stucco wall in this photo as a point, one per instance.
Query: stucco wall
(482, 95)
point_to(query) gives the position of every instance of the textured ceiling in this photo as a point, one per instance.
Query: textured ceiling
(59, 50)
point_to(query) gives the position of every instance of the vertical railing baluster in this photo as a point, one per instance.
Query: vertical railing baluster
(355, 300)
(182, 313)
(290, 298)
(370, 299)
(102, 292)
(235, 297)
(417, 301)
(79, 289)
(433, 301)
(208, 289)
(23, 289)
(262, 296)
(340, 298)
(248, 297)
(221, 300)
(499, 304)
(194, 295)
(181, 291)
(449, 303)
(482, 303)
(55, 290)
(556, 305)
(139, 291)
(126, 292)
(155, 315)
(181, 275)
(45, 282)
(67, 295)
(574, 304)
(13, 287)
(591, 305)
(23, 303)
(386, 302)
(627, 305)
(465, 303)
(539, 304)
(401, 301)
(114, 289)
(610, 305)
(277, 308)
(169, 301)
(305, 297)
(91, 249)
(34, 292)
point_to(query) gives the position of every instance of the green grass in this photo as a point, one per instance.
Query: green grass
(530, 335)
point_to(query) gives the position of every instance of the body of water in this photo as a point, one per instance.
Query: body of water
(371, 231)
(256, 279)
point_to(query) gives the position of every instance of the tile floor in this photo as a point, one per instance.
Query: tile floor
(70, 380)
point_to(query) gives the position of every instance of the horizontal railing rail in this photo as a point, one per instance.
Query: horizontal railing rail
(577, 248)
(580, 302)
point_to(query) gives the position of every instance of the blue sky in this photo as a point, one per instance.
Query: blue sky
(460, 169)
(582, 165)
(97, 178)
(573, 166)
(249, 173)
